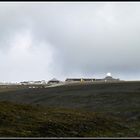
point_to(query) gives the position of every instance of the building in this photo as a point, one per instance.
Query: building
(110, 78)
(33, 82)
(43, 82)
(25, 83)
(37, 82)
(73, 80)
(79, 80)
(88, 79)
(99, 80)
(53, 81)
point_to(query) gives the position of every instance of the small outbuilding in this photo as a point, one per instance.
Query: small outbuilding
(53, 81)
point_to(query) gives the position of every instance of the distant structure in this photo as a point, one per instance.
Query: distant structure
(88, 79)
(73, 80)
(110, 78)
(53, 81)
(39, 82)
(25, 83)
(107, 78)
(98, 80)
(80, 80)
(33, 82)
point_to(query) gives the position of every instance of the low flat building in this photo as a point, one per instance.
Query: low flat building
(79, 80)
(98, 79)
(73, 80)
(88, 79)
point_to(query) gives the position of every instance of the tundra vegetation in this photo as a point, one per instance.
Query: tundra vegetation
(77, 110)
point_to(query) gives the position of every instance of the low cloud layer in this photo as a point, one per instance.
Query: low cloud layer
(45, 40)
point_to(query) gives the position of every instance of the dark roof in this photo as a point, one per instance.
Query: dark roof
(88, 79)
(24, 82)
(79, 79)
(73, 79)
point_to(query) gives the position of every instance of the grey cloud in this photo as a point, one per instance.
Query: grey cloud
(84, 39)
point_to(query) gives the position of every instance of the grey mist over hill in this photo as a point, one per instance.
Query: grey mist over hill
(45, 40)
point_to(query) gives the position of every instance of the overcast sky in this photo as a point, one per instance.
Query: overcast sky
(40, 41)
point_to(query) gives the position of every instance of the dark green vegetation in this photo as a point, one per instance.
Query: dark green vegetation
(28, 121)
(78, 110)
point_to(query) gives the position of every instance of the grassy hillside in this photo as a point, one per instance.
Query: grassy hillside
(119, 98)
(28, 121)
(92, 109)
